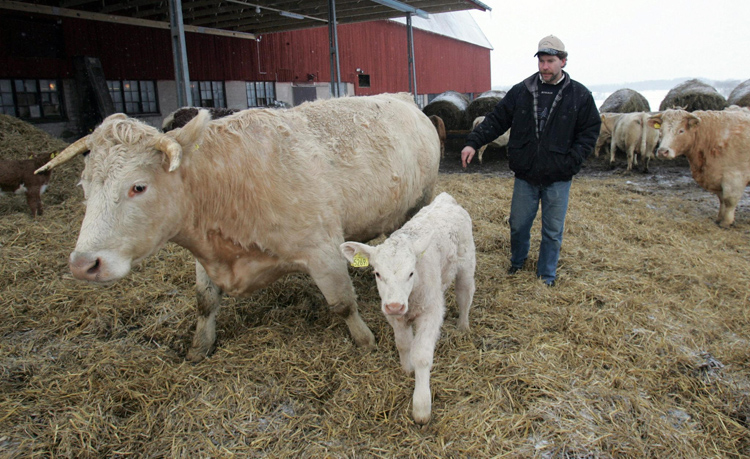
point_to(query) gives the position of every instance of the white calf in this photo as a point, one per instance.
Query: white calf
(413, 269)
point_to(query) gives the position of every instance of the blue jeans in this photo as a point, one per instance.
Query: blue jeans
(523, 208)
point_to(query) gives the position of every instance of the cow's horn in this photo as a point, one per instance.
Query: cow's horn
(76, 148)
(172, 149)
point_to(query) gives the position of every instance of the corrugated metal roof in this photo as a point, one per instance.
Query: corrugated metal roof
(459, 25)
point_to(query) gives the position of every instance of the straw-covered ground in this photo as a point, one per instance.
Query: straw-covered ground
(641, 350)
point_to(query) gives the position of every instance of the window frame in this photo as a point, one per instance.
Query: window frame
(217, 90)
(253, 99)
(134, 97)
(40, 98)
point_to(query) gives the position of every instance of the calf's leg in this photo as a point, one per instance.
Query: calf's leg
(427, 328)
(464, 289)
(208, 297)
(404, 337)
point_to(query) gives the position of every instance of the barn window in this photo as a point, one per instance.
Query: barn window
(260, 93)
(133, 97)
(209, 94)
(364, 81)
(31, 99)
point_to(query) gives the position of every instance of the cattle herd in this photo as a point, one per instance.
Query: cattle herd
(257, 194)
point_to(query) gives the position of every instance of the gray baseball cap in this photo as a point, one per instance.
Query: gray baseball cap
(550, 45)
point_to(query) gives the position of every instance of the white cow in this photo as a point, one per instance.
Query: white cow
(254, 196)
(500, 141)
(413, 269)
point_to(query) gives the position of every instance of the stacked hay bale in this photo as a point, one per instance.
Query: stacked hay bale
(740, 95)
(451, 107)
(693, 95)
(483, 104)
(625, 101)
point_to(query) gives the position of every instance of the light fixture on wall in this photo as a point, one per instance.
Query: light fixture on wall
(360, 71)
(257, 10)
(291, 15)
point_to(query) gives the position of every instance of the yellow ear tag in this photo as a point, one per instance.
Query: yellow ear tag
(657, 125)
(360, 261)
(52, 155)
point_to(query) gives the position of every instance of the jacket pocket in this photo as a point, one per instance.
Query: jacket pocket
(520, 155)
(563, 164)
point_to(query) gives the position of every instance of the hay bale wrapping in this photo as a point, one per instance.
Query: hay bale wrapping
(451, 107)
(740, 95)
(693, 95)
(625, 100)
(483, 104)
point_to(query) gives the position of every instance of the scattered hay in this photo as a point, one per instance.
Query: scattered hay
(693, 95)
(483, 104)
(639, 351)
(740, 95)
(451, 107)
(625, 101)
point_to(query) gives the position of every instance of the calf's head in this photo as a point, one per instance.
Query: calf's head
(133, 193)
(394, 264)
(677, 131)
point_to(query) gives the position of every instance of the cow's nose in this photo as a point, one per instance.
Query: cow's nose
(84, 266)
(662, 152)
(395, 308)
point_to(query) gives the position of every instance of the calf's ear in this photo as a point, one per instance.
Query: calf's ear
(654, 121)
(422, 244)
(350, 249)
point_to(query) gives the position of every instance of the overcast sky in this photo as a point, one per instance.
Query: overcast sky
(612, 42)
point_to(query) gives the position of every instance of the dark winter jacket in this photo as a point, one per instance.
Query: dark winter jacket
(555, 154)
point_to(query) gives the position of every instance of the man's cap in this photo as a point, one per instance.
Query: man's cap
(550, 45)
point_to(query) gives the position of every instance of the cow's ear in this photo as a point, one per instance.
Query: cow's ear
(655, 121)
(355, 252)
(190, 135)
(692, 120)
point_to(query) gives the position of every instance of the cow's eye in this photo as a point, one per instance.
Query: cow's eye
(136, 189)
(411, 274)
(377, 274)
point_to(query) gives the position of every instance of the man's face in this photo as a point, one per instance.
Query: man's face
(550, 67)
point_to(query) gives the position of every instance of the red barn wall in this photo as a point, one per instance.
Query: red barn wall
(379, 48)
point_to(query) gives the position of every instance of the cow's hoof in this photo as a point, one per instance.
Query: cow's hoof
(196, 355)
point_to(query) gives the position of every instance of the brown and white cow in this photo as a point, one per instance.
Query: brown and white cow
(605, 131)
(717, 146)
(255, 195)
(501, 141)
(17, 176)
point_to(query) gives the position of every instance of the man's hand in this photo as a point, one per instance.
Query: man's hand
(466, 155)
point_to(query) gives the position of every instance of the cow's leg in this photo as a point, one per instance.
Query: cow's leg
(631, 157)
(427, 333)
(404, 337)
(208, 297)
(731, 193)
(464, 289)
(330, 274)
(481, 153)
(612, 149)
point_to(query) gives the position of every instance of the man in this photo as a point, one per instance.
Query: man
(554, 126)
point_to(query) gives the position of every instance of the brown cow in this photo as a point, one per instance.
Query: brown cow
(17, 176)
(605, 131)
(717, 146)
(440, 127)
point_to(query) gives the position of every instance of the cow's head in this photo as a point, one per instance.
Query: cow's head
(395, 267)
(134, 194)
(677, 132)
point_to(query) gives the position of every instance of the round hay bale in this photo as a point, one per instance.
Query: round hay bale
(693, 95)
(625, 101)
(740, 95)
(451, 107)
(483, 104)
